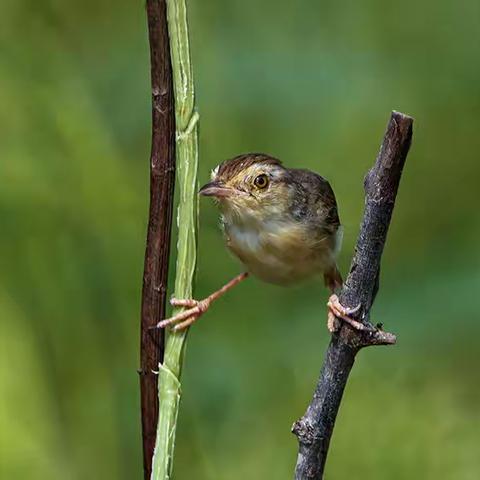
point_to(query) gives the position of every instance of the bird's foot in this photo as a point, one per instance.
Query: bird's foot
(182, 320)
(195, 308)
(337, 312)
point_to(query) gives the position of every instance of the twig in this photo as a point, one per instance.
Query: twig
(315, 428)
(162, 178)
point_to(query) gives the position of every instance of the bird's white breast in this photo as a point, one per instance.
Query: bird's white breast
(276, 251)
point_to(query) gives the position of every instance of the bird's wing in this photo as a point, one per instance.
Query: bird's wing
(318, 203)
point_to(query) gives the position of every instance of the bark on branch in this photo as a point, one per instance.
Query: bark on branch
(315, 428)
(162, 178)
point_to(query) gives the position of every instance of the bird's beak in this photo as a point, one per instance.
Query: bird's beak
(216, 189)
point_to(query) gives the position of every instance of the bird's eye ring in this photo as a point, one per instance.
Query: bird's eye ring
(261, 181)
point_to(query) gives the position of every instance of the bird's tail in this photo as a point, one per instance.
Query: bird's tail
(333, 278)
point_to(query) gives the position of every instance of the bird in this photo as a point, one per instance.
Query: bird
(281, 223)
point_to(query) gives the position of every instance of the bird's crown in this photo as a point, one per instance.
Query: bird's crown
(229, 169)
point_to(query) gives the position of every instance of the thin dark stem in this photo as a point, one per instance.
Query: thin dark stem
(162, 179)
(315, 428)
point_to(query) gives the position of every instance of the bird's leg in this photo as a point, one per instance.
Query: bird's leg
(337, 312)
(196, 308)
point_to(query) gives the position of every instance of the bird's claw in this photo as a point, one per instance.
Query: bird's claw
(337, 312)
(183, 302)
(195, 308)
(182, 320)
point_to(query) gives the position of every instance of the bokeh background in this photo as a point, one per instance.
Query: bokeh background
(312, 82)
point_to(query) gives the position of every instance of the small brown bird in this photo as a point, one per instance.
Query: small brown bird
(281, 223)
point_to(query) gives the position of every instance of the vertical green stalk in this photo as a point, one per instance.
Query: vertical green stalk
(187, 160)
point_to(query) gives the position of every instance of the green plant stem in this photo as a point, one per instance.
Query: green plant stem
(187, 160)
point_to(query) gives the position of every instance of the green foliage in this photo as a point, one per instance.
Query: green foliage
(312, 82)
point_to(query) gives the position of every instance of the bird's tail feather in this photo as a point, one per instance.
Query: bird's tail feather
(333, 278)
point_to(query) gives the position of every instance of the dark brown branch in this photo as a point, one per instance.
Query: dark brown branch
(315, 428)
(162, 178)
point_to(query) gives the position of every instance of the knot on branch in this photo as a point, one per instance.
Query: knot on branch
(379, 337)
(305, 432)
(161, 101)
(182, 135)
(164, 370)
(367, 338)
(370, 335)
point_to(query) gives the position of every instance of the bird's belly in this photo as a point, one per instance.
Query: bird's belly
(278, 255)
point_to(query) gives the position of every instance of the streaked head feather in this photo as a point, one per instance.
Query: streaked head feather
(231, 168)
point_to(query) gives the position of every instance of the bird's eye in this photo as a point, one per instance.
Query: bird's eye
(261, 181)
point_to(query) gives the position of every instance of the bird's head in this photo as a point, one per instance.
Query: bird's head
(250, 185)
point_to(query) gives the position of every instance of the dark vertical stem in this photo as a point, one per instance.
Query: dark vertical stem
(315, 428)
(162, 180)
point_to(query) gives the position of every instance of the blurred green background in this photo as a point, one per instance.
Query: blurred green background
(312, 82)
